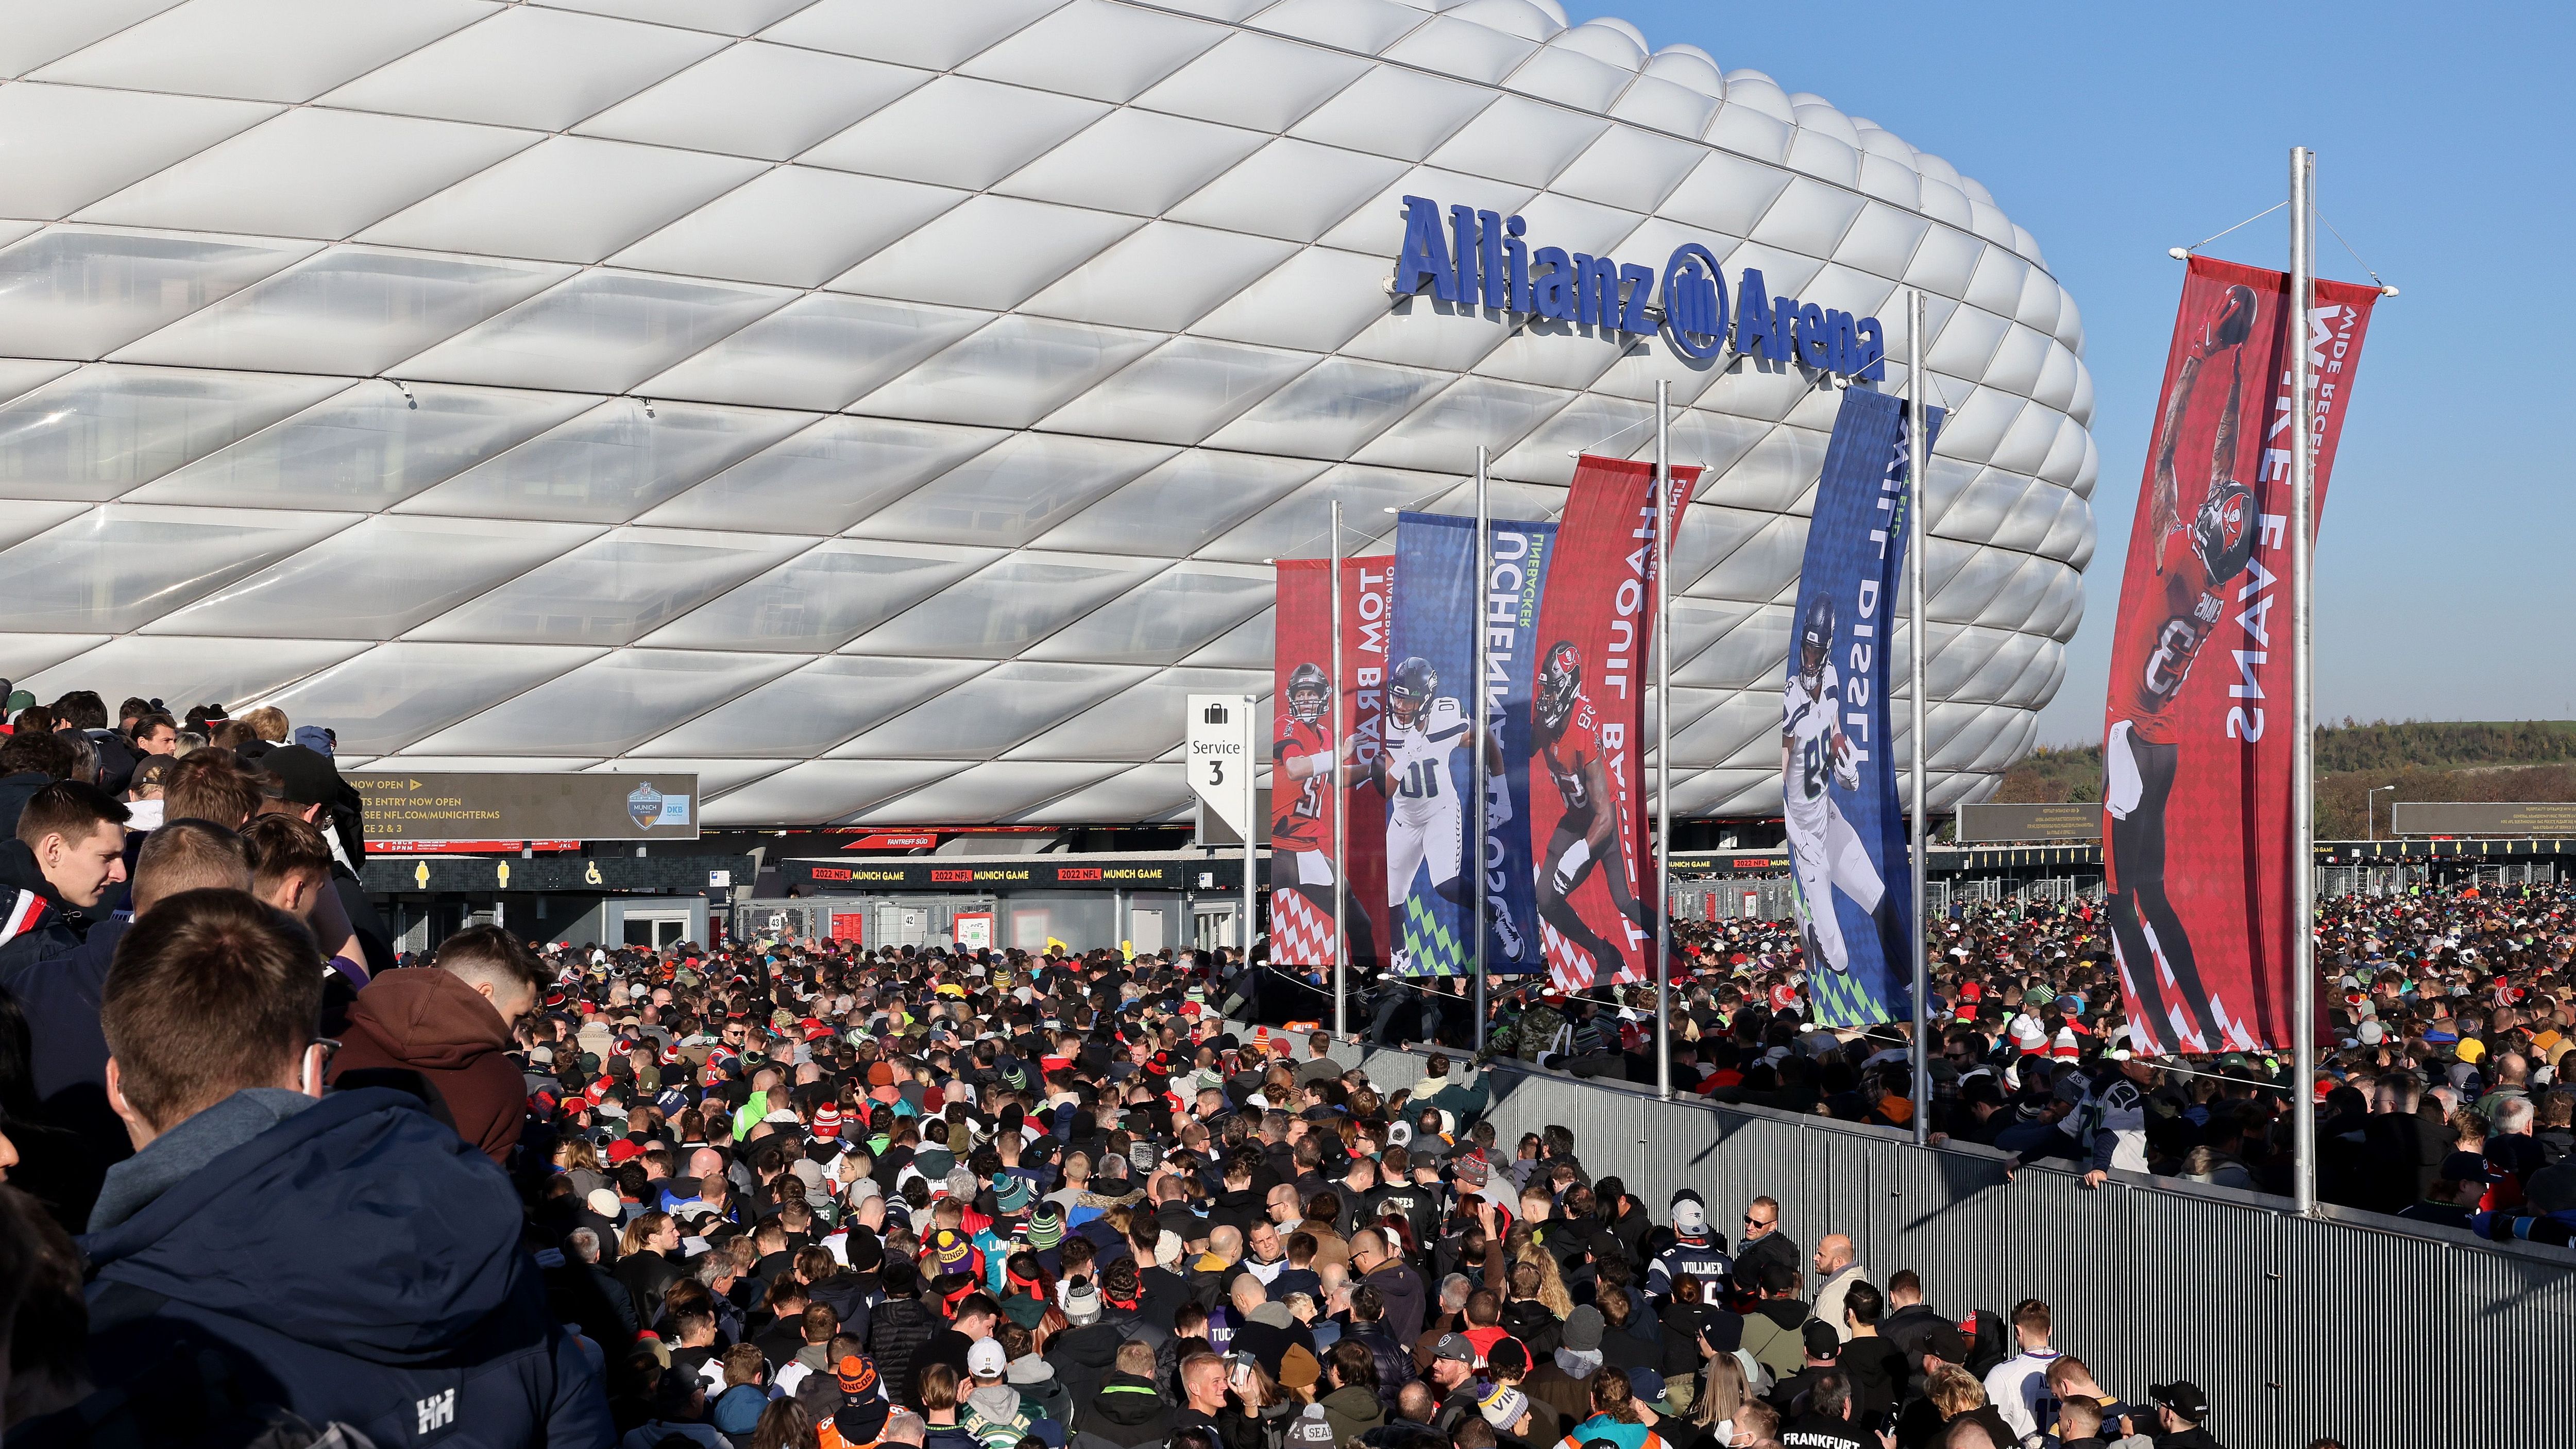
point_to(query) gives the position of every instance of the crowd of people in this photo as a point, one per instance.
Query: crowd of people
(2446, 1089)
(269, 1184)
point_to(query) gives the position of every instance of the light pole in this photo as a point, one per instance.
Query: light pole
(2370, 810)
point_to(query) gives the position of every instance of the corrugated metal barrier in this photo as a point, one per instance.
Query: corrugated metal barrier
(2381, 1333)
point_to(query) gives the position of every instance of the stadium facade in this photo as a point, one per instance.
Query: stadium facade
(888, 411)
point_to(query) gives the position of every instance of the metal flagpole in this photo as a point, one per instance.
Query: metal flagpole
(1476, 772)
(1917, 458)
(1663, 740)
(1340, 798)
(2303, 478)
(1251, 826)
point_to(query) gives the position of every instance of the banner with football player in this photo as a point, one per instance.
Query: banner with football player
(1516, 558)
(1429, 762)
(1854, 889)
(1303, 794)
(2196, 799)
(1591, 852)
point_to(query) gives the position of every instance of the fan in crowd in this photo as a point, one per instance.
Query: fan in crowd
(269, 1184)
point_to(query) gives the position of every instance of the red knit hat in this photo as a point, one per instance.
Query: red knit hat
(827, 1121)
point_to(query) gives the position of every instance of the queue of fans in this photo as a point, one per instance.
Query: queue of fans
(2446, 1090)
(269, 1186)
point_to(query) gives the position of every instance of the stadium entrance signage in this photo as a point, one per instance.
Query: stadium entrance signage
(1481, 258)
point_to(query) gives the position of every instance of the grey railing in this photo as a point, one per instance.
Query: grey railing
(2377, 1331)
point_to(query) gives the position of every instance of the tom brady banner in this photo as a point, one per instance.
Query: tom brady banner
(1304, 792)
(1845, 825)
(1587, 824)
(2197, 753)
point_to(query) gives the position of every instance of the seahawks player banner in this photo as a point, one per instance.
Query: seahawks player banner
(1430, 769)
(1303, 793)
(1846, 828)
(1429, 764)
(1587, 727)
(2196, 802)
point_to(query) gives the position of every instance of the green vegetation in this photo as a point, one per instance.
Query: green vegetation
(2421, 759)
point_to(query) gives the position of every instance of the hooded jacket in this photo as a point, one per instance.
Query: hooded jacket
(353, 1262)
(1033, 1378)
(1127, 1412)
(1352, 1410)
(431, 1022)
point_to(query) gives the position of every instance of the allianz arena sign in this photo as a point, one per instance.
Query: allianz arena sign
(1483, 259)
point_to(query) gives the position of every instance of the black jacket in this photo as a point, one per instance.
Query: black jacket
(48, 925)
(1125, 1412)
(898, 1330)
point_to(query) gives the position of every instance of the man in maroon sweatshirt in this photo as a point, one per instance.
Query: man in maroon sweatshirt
(452, 1025)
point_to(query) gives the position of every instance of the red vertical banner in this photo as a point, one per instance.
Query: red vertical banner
(2198, 743)
(1588, 823)
(1304, 798)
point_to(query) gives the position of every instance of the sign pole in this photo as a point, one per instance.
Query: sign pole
(1251, 826)
(1663, 740)
(1476, 771)
(1341, 803)
(2303, 478)
(1917, 458)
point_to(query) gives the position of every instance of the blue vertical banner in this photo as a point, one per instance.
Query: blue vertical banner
(1425, 763)
(1845, 824)
(1515, 581)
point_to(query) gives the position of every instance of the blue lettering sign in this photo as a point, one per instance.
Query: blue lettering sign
(1481, 258)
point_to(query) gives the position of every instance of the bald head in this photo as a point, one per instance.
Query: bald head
(1248, 1294)
(1835, 1253)
(1226, 1241)
(706, 1162)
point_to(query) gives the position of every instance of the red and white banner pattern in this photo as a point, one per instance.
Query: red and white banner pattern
(1302, 809)
(1588, 824)
(2198, 742)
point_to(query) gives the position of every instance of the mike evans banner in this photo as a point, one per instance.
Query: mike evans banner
(1596, 621)
(2197, 759)
(1846, 828)
(1303, 795)
(1431, 770)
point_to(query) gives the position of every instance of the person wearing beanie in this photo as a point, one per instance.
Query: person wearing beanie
(1311, 1430)
(1564, 1382)
(1507, 1409)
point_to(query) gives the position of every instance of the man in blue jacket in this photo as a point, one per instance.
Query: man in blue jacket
(345, 1257)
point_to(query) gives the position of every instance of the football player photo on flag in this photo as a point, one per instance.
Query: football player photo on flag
(1306, 790)
(1428, 764)
(1587, 820)
(2197, 749)
(1845, 825)
(1516, 560)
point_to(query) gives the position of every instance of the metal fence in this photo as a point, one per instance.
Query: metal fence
(2377, 1332)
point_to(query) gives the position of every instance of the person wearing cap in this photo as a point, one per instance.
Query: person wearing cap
(2452, 1200)
(994, 1414)
(2181, 1410)
(1452, 1375)
(1696, 1253)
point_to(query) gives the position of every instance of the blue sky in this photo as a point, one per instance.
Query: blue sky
(2114, 132)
